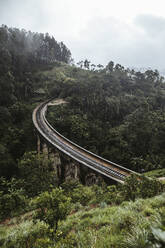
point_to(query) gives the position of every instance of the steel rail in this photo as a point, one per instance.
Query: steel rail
(81, 155)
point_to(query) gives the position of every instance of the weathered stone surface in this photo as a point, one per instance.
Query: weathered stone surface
(45, 149)
(65, 167)
(55, 158)
(72, 170)
(92, 178)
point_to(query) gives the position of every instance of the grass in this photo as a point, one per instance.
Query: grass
(22, 235)
(128, 225)
(155, 173)
(132, 224)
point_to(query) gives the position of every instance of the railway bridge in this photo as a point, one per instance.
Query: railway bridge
(79, 155)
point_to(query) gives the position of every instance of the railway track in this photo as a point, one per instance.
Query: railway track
(87, 158)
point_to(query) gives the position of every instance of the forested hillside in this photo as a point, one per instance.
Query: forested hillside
(113, 111)
(22, 54)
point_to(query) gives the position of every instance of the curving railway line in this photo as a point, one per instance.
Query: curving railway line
(84, 157)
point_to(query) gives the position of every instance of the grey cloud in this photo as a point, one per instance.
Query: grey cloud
(106, 39)
(21, 14)
(38, 16)
(152, 25)
(101, 39)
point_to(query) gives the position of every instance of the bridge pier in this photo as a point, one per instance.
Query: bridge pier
(45, 149)
(69, 169)
(38, 144)
(57, 163)
(65, 167)
(91, 178)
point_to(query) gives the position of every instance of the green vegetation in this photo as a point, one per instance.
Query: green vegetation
(22, 235)
(112, 111)
(52, 207)
(115, 112)
(36, 170)
(155, 173)
(12, 197)
(22, 55)
(105, 220)
(130, 225)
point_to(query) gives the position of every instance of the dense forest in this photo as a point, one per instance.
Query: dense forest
(22, 53)
(115, 112)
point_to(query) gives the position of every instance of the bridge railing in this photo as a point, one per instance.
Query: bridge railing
(81, 148)
(42, 108)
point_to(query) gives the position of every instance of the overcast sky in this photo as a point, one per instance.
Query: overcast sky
(128, 32)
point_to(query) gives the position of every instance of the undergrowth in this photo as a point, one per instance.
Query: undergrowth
(138, 223)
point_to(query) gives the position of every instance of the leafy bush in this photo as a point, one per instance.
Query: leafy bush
(137, 186)
(103, 204)
(36, 170)
(52, 207)
(12, 197)
(82, 194)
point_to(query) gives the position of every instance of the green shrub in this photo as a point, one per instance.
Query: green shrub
(44, 243)
(103, 204)
(111, 194)
(68, 242)
(36, 170)
(137, 186)
(12, 198)
(52, 207)
(148, 211)
(77, 206)
(82, 194)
